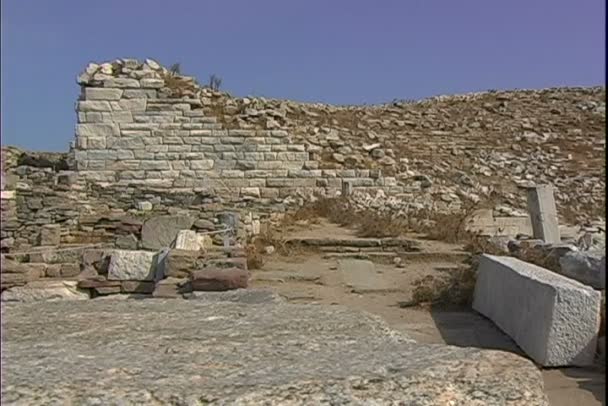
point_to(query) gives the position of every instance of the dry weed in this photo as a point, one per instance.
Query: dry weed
(455, 289)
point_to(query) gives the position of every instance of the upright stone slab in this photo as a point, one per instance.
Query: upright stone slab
(543, 214)
(160, 232)
(347, 188)
(554, 319)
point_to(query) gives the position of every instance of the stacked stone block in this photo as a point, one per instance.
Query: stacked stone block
(131, 133)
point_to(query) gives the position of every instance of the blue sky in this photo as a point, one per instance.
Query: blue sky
(338, 51)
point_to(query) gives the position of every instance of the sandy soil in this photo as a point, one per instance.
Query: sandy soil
(314, 278)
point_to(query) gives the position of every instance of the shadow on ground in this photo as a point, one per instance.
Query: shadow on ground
(591, 380)
(463, 327)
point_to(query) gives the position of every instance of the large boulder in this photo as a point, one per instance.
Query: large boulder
(195, 352)
(45, 290)
(160, 232)
(585, 267)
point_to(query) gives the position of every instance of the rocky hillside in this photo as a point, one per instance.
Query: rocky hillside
(442, 151)
(452, 148)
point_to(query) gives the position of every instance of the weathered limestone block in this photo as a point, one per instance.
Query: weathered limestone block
(202, 165)
(96, 93)
(543, 214)
(216, 279)
(251, 192)
(145, 287)
(585, 267)
(161, 231)
(97, 130)
(187, 240)
(50, 235)
(45, 290)
(117, 117)
(126, 242)
(68, 270)
(149, 83)
(132, 266)
(179, 263)
(121, 83)
(94, 105)
(133, 105)
(554, 319)
(100, 286)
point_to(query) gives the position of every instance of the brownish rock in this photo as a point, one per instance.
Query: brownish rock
(50, 234)
(26, 274)
(69, 269)
(53, 271)
(107, 290)
(218, 279)
(181, 263)
(98, 282)
(172, 288)
(136, 287)
(240, 263)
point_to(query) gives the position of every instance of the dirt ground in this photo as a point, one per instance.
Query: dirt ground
(316, 277)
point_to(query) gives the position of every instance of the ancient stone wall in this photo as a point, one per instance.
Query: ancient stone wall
(132, 131)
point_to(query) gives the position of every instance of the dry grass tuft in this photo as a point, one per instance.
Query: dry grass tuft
(255, 258)
(338, 210)
(454, 289)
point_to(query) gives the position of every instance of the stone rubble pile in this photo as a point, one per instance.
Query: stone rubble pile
(169, 272)
(436, 152)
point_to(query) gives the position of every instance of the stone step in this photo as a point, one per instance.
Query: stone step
(387, 257)
(409, 245)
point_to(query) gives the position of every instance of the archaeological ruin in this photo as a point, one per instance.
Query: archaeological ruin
(176, 192)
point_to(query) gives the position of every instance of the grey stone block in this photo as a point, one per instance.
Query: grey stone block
(139, 93)
(585, 267)
(161, 231)
(121, 83)
(118, 117)
(94, 105)
(97, 130)
(152, 83)
(96, 93)
(134, 105)
(132, 266)
(555, 320)
(203, 165)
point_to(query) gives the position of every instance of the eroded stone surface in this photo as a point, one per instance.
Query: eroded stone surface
(132, 266)
(160, 232)
(554, 319)
(164, 351)
(44, 291)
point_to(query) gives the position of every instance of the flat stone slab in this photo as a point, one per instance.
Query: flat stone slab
(45, 291)
(354, 242)
(554, 319)
(282, 276)
(361, 276)
(243, 296)
(168, 351)
(161, 231)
